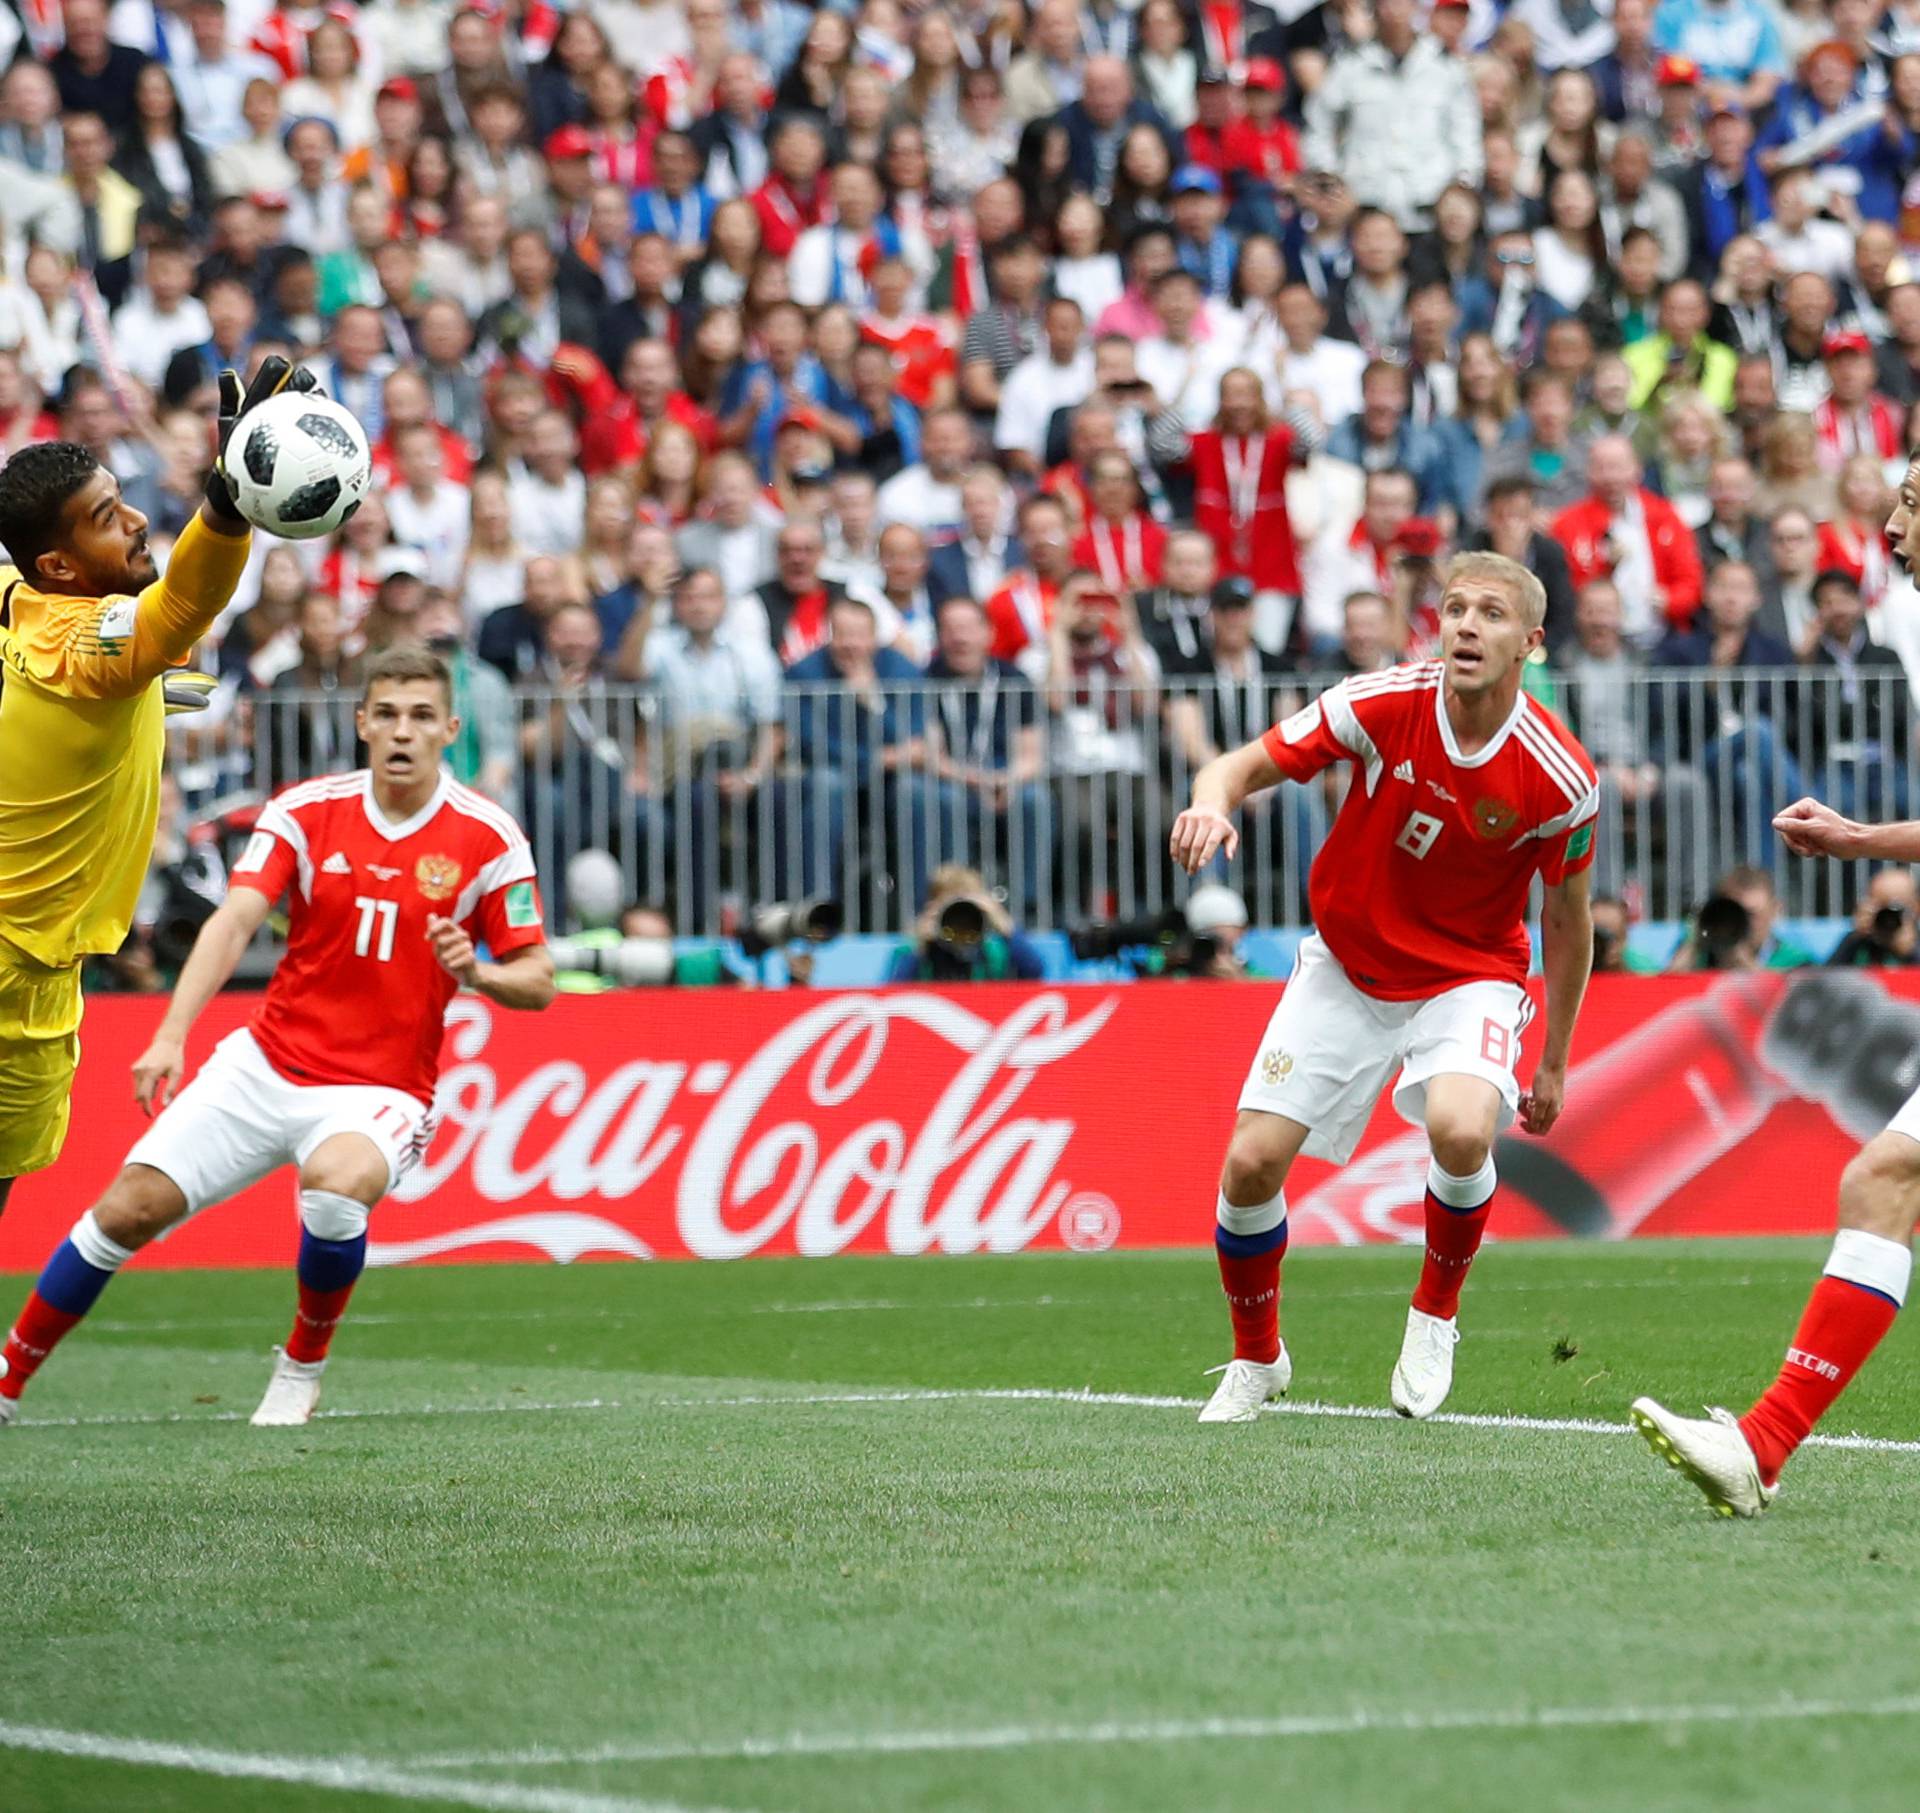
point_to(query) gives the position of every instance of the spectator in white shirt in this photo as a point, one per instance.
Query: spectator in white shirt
(830, 262)
(212, 77)
(1312, 362)
(853, 532)
(927, 495)
(255, 160)
(161, 317)
(547, 491)
(429, 511)
(317, 203)
(469, 265)
(407, 37)
(1797, 235)
(1175, 361)
(1058, 376)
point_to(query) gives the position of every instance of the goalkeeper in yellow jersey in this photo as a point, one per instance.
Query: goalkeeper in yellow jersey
(89, 633)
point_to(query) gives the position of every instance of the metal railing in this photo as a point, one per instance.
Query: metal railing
(1066, 802)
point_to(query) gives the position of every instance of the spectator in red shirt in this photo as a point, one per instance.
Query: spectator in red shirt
(1021, 611)
(794, 196)
(1623, 532)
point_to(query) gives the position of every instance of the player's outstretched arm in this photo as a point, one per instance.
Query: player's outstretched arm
(522, 978)
(209, 967)
(1206, 826)
(1809, 828)
(120, 649)
(1566, 959)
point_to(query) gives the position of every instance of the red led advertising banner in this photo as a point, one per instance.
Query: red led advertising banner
(719, 1124)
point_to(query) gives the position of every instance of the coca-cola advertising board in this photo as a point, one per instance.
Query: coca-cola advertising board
(715, 1124)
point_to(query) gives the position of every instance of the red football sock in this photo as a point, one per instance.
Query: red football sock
(34, 1336)
(1843, 1324)
(1453, 1237)
(314, 1322)
(1252, 1284)
(1250, 1273)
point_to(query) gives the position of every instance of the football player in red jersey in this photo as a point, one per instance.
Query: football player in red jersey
(393, 874)
(1463, 789)
(1736, 1461)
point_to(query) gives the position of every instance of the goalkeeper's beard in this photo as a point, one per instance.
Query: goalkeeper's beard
(135, 573)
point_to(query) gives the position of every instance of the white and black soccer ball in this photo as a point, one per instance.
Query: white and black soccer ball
(299, 465)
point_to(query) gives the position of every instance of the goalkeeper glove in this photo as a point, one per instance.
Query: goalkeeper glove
(274, 376)
(187, 691)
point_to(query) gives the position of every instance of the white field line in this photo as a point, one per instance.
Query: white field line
(1359, 1722)
(855, 1306)
(1126, 1400)
(344, 1774)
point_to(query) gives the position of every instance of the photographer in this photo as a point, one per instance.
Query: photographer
(1612, 955)
(1217, 918)
(963, 934)
(1736, 928)
(1883, 935)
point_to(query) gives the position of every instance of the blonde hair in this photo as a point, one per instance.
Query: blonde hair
(1524, 584)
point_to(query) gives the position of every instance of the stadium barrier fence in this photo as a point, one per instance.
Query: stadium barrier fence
(1693, 768)
(720, 1124)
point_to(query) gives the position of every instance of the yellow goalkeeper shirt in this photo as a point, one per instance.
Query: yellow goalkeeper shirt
(81, 742)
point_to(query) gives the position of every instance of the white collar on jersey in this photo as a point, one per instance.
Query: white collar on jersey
(1495, 743)
(396, 833)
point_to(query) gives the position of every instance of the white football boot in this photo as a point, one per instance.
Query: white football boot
(292, 1392)
(1424, 1373)
(1245, 1386)
(1711, 1452)
(9, 1407)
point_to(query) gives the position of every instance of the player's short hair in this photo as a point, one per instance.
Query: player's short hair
(404, 662)
(1521, 582)
(36, 486)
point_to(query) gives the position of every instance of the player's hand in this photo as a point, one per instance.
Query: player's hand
(185, 691)
(1808, 828)
(156, 1074)
(274, 376)
(454, 949)
(1540, 1106)
(1200, 832)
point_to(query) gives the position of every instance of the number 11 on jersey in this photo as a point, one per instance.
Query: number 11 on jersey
(385, 914)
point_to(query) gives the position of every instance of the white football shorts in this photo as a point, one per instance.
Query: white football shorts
(1329, 1050)
(240, 1118)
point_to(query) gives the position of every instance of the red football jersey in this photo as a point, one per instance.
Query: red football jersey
(359, 996)
(1422, 883)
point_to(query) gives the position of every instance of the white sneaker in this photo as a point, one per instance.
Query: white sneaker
(1424, 1374)
(292, 1392)
(1245, 1386)
(1711, 1452)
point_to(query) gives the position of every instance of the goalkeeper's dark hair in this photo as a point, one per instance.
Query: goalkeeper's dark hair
(408, 661)
(36, 486)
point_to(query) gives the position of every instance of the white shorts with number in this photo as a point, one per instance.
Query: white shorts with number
(1329, 1050)
(240, 1118)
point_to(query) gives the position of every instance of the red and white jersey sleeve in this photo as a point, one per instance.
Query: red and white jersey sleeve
(359, 996)
(1422, 883)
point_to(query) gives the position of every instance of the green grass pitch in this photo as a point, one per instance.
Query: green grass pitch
(623, 1537)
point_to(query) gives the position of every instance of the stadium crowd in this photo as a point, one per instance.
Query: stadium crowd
(901, 416)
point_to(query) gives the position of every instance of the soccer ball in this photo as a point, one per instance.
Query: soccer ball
(299, 465)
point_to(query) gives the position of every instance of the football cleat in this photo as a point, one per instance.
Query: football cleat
(9, 1409)
(1245, 1386)
(1711, 1452)
(292, 1393)
(1424, 1374)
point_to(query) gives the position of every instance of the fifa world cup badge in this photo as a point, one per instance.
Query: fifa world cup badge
(1275, 1068)
(438, 876)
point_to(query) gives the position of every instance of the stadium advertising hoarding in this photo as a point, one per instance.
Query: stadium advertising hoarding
(721, 1124)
